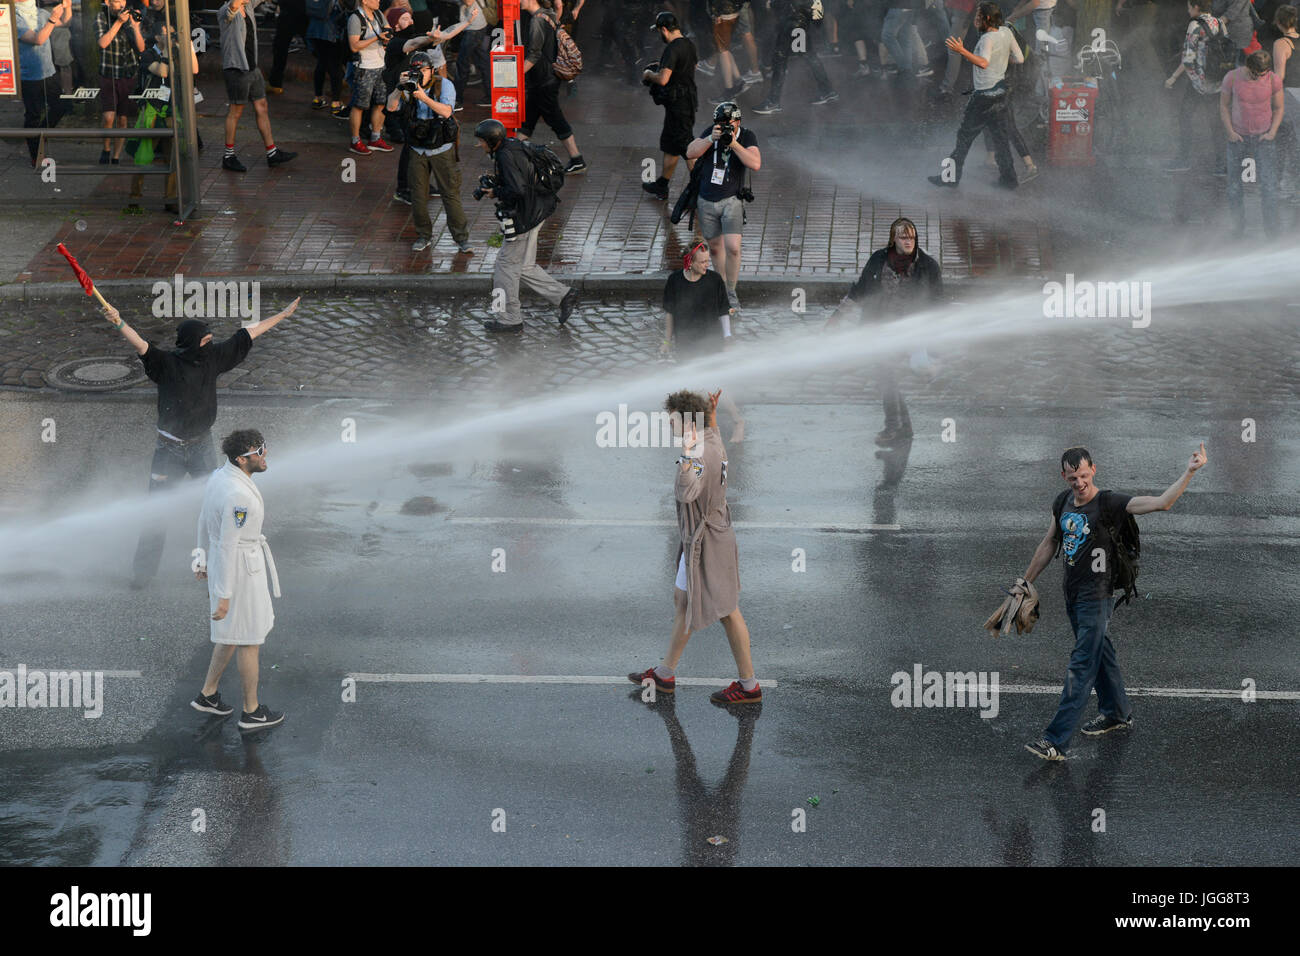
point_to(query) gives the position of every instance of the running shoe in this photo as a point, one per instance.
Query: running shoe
(830, 97)
(668, 686)
(260, 719)
(379, 146)
(1101, 724)
(1045, 750)
(766, 107)
(212, 705)
(862, 70)
(420, 244)
(359, 148)
(343, 112)
(705, 68)
(578, 165)
(734, 693)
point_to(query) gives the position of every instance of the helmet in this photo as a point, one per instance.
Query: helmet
(491, 131)
(421, 59)
(727, 112)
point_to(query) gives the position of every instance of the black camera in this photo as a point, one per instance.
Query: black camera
(485, 182)
(745, 194)
(409, 81)
(726, 136)
(136, 15)
(386, 35)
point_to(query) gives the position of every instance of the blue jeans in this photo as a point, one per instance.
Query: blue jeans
(1264, 153)
(897, 21)
(1092, 663)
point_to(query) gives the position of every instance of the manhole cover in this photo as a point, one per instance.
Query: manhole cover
(96, 374)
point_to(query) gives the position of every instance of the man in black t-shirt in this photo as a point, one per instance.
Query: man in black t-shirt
(729, 151)
(673, 88)
(696, 310)
(187, 407)
(1089, 554)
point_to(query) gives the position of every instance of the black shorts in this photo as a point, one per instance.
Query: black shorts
(679, 129)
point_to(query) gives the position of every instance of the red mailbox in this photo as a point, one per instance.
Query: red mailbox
(507, 80)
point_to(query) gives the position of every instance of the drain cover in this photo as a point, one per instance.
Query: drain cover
(95, 374)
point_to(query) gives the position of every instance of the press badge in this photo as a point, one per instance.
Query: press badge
(719, 174)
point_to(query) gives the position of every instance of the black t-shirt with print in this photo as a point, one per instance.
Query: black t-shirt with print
(734, 177)
(695, 308)
(1080, 533)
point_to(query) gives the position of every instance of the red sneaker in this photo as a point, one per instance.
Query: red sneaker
(359, 148)
(736, 694)
(668, 686)
(379, 146)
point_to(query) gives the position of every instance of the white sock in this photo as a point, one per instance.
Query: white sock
(749, 683)
(665, 673)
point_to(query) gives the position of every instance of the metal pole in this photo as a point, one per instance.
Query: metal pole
(187, 143)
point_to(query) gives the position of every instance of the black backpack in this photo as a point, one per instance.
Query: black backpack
(1128, 545)
(548, 171)
(1220, 53)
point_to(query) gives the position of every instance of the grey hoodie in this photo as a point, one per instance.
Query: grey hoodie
(1240, 24)
(234, 30)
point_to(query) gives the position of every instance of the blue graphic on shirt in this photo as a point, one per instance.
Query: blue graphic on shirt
(1074, 534)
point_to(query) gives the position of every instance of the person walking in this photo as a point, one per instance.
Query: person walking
(707, 586)
(1083, 530)
(672, 86)
(236, 561)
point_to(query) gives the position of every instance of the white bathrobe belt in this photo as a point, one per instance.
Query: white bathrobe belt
(270, 560)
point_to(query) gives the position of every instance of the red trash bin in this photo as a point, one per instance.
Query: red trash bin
(1072, 114)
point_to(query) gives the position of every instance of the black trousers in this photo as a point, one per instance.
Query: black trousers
(986, 111)
(291, 22)
(42, 108)
(781, 54)
(172, 461)
(330, 60)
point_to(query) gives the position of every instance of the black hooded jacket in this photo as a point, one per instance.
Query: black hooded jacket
(923, 284)
(515, 192)
(187, 377)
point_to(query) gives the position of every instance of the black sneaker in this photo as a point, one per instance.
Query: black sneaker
(576, 165)
(492, 325)
(403, 195)
(567, 305)
(343, 112)
(1045, 750)
(104, 158)
(830, 97)
(212, 705)
(940, 181)
(891, 436)
(658, 189)
(259, 719)
(766, 107)
(280, 157)
(1101, 724)
(233, 164)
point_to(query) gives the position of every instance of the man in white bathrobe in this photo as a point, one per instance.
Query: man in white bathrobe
(237, 563)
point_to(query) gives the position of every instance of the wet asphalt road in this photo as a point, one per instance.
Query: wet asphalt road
(413, 772)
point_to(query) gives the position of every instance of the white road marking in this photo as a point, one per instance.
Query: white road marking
(91, 670)
(531, 679)
(830, 526)
(1047, 689)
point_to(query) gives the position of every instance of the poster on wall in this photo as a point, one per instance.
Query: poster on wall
(8, 48)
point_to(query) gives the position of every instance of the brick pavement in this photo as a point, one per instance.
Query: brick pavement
(302, 218)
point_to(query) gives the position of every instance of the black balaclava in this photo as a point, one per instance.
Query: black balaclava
(188, 336)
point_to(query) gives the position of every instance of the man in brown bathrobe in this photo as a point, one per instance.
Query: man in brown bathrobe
(708, 573)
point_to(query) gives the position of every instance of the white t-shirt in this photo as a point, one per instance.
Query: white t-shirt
(998, 47)
(363, 25)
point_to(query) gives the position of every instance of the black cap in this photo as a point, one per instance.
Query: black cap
(665, 19)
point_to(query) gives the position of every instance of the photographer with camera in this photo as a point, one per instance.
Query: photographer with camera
(672, 86)
(732, 152)
(244, 82)
(120, 44)
(368, 34)
(522, 206)
(432, 135)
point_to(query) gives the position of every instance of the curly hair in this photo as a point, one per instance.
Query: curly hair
(991, 14)
(237, 443)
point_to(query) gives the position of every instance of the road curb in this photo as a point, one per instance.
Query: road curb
(762, 290)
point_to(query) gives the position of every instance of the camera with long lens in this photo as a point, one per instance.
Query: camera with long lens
(726, 137)
(485, 182)
(409, 81)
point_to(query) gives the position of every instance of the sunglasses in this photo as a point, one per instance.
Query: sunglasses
(259, 450)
